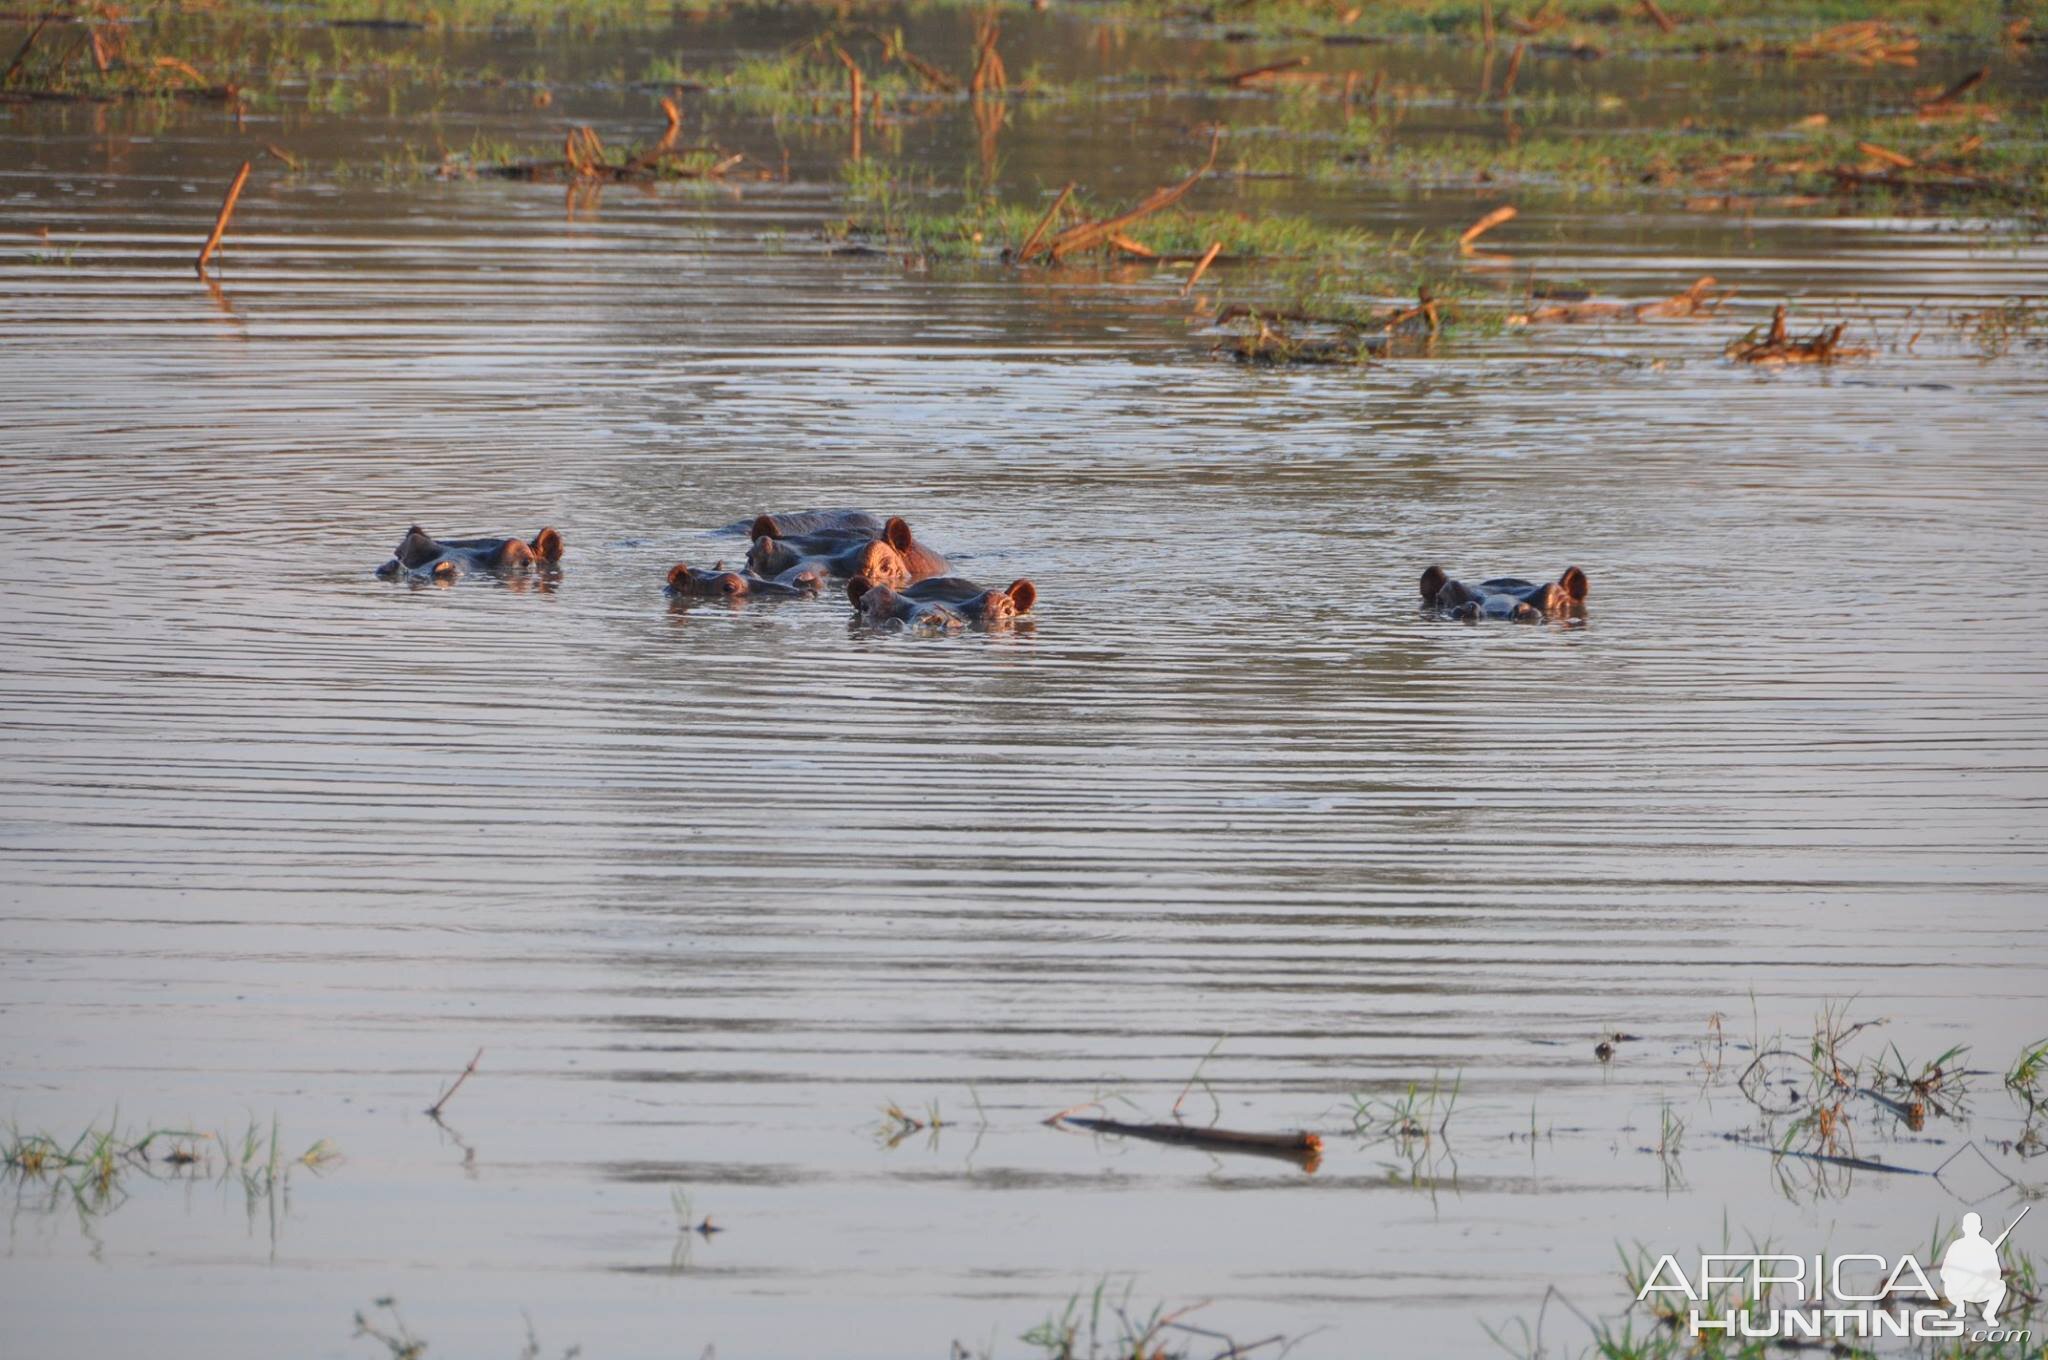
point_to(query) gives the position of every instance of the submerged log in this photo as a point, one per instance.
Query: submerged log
(1298, 1146)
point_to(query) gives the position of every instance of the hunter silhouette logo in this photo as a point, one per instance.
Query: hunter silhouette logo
(1849, 1296)
(1969, 1268)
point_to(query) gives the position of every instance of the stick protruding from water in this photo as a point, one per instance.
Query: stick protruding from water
(434, 1110)
(220, 223)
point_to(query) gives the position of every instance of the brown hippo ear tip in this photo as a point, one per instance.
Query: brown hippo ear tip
(1433, 578)
(762, 527)
(679, 572)
(1023, 595)
(547, 544)
(1574, 583)
(897, 532)
(857, 588)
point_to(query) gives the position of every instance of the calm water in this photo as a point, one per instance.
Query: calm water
(711, 887)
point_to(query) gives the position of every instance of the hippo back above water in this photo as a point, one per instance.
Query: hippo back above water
(1506, 597)
(419, 554)
(790, 523)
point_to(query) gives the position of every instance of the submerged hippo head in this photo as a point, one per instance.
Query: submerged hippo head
(419, 553)
(883, 606)
(957, 600)
(1505, 597)
(686, 582)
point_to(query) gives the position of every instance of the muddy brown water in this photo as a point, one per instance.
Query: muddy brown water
(713, 886)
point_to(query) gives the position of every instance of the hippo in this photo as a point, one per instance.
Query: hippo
(686, 582)
(445, 559)
(895, 557)
(1506, 597)
(783, 558)
(922, 561)
(790, 523)
(939, 603)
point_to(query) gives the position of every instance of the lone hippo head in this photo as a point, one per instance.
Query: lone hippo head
(961, 599)
(686, 582)
(780, 558)
(420, 554)
(1505, 597)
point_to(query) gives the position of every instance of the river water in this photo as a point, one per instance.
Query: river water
(710, 887)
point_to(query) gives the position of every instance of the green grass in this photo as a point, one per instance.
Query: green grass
(1615, 24)
(1655, 1328)
(92, 1168)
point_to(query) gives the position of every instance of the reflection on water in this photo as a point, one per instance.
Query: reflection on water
(713, 886)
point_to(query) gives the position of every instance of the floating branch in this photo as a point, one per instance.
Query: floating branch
(1097, 232)
(1778, 347)
(1239, 79)
(1504, 213)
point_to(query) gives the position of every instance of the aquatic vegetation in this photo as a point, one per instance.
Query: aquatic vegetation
(1995, 331)
(91, 1170)
(1417, 1114)
(1655, 1326)
(400, 1342)
(1796, 28)
(1106, 1326)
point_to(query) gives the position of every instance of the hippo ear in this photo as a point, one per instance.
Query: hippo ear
(897, 533)
(547, 545)
(1574, 583)
(858, 587)
(678, 576)
(1023, 595)
(1433, 581)
(416, 547)
(763, 527)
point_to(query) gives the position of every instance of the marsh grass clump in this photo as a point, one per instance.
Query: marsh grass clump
(1103, 1325)
(1656, 1327)
(1996, 331)
(383, 1324)
(93, 1168)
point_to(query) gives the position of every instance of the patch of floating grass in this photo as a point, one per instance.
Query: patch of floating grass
(92, 1167)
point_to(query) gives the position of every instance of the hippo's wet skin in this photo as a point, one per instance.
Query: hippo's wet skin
(939, 604)
(686, 582)
(792, 523)
(1506, 597)
(421, 556)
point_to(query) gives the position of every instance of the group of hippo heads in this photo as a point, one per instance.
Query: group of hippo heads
(894, 581)
(1506, 597)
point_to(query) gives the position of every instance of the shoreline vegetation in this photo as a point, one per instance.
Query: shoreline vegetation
(1929, 115)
